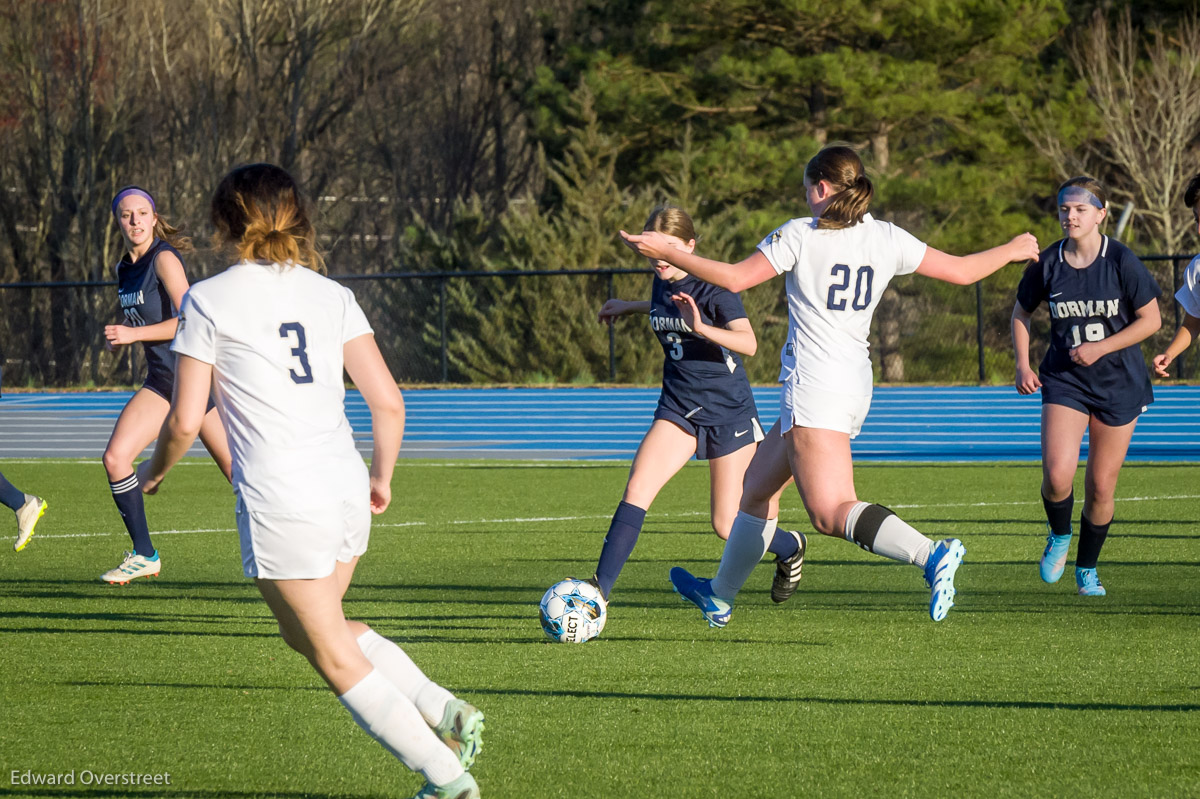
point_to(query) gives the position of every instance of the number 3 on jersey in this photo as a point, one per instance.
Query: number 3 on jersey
(862, 288)
(285, 331)
(676, 346)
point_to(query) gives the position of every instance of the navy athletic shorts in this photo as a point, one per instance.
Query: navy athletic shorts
(716, 440)
(1055, 392)
(163, 384)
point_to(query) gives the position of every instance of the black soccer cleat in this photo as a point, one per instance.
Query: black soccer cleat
(787, 571)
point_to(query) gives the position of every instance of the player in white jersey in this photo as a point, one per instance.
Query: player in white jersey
(271, 336)
(1188, 295)
(838, 263)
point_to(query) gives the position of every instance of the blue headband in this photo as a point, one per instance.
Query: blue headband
(1078, 194)
(133, 191)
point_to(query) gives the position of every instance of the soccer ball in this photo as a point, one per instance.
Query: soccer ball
(573, 611)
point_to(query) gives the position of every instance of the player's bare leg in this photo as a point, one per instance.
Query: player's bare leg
(311, 621)
(212, 435)
(1107, 448)
(136, 427)
(664, 450)
(824, 473)
(1062, 438)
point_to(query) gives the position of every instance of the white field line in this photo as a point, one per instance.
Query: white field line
(594, 517)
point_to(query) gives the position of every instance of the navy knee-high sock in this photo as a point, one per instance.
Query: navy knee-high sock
(1091, 541)
(783, 544)
(127, 494)
(10, 495)
(1059, 514)
(623, 533)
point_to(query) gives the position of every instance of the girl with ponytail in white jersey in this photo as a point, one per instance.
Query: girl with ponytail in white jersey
(838, 263)
(271, 337)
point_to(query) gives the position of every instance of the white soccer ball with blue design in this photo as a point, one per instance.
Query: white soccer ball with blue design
(573, 611)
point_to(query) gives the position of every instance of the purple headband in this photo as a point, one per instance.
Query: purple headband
(1078, 194)
(131, 191)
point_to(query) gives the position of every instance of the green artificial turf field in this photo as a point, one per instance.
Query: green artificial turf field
(1025, 690)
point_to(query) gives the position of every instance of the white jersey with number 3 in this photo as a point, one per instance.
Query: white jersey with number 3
(834, 281)
(274, 335)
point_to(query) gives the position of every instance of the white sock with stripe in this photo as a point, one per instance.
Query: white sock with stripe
(879, 530)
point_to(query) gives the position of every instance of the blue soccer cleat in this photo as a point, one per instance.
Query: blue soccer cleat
(944, 560)
(698, 591)
(1089, 582)
(1054, 558)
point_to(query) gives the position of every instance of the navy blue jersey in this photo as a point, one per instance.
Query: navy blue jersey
(145, 301)
(702, 381)
(1091, 304)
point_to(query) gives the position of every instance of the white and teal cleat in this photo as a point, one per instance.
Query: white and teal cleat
(464, 787)
(461, 729)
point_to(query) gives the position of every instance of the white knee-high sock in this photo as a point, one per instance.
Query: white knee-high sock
(748, 541)
(395, 664)
(879, 530)
(390, 718)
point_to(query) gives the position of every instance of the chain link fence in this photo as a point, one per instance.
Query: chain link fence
(530, 327)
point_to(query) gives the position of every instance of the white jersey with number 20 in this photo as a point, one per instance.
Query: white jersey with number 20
(274, 335)
(834, 281)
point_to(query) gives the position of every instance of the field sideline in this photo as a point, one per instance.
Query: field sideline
(849, 690)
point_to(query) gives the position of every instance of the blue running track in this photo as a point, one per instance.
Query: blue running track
(905, 424)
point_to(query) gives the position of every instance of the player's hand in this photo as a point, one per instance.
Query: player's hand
(1027, 381)
(690, 313)
(1088, 353)
(119, 335)
(381, 495)
(649, 243)
(1161, 362)
(149, 484)
(611, 310)
(1024, 248)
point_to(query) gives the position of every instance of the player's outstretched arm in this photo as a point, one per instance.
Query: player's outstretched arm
(366, 367)
(614, 308)
(1027, 380)
(963, 270)
(735, 277)
(193, 381)
(1184, 337)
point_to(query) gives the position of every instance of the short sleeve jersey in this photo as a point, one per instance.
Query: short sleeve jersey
(145, 301)
(274, 336)
(702, 381)
(1091, 304)
(1188, 295)
(834, 281)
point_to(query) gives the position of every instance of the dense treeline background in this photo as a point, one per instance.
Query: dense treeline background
(438, 138)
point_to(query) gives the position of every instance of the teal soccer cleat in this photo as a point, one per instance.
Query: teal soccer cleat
(464, 787)
(1089, 583)
(944, 560)
(1054, 558)
(697, 591)
(461, 729)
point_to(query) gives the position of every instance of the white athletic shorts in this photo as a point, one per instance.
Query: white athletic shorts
(302, 546)
(809, 406)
